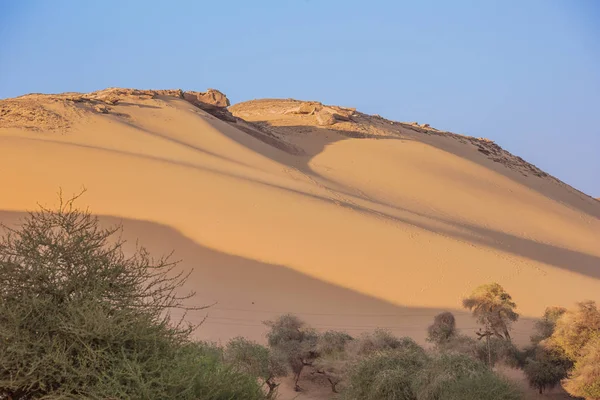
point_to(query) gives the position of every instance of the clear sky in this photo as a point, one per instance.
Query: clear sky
(523, 73)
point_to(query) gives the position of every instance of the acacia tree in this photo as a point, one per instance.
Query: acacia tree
(584, 380)
(493, 308)
(547, 368)
(256, 360)
(80, 319)
(577, 334)
(296, 342)
(576, 327)
(333, 358)
(443, 328)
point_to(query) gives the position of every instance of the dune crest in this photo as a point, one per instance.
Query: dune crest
(394, 216)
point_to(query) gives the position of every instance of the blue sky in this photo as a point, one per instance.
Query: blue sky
(523, 73)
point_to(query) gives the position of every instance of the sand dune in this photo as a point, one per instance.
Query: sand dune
(359, 224)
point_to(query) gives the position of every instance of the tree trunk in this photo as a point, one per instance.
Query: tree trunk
(333, 385)
(297, 378)
(489, 351)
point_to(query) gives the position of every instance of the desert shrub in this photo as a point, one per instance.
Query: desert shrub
(584, 380)
(500, 350)
(379, 340)
(493, 308)
(460, 344)
(386, 374)
(488, 386)
(256, 360)
(80, 319)
(575, 328)
(291, 339)
(545, 326)
(443, 369)
(332, 343)
(442, 329)
(457, 376)
(546, 368)
(199, 373)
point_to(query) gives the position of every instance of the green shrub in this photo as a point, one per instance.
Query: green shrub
(380, 340)
(500, 350)
(486, 386)
(200, 373)
(386, 374)
(255, 360)
(332, 342)
(442, 370)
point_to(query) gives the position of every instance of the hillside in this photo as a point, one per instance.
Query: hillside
(349, 220)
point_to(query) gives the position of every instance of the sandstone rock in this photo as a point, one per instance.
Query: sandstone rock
(171, 92)
(211, 99)
(101, 109)
(325, 118)
(308, 108)
(424, 125)
(340, 113)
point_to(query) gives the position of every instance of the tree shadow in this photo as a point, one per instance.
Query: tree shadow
(248, 292)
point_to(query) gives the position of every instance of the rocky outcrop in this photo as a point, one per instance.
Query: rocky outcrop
(325, 115)
(325, 118)
(212, 101)
(209, 100)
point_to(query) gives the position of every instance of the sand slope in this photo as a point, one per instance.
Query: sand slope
(360, 224)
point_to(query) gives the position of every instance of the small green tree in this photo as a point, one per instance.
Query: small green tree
(584, 380)
(443, 328)
(293, 340)
(547, 368)
(493, 308)
(256, 360)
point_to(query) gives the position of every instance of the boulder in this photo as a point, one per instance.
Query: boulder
(325, 118)
(209, 100)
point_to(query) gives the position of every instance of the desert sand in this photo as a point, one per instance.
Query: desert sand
(350, 221)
